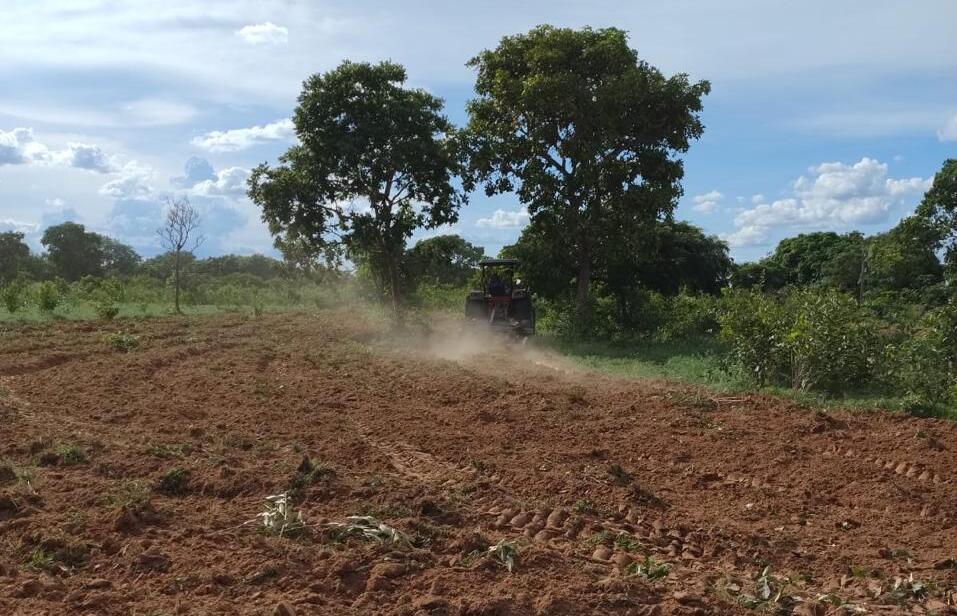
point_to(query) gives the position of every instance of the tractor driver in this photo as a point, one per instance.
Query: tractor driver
(496, 287)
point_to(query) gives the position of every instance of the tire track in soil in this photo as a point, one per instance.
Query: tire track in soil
(563, 533)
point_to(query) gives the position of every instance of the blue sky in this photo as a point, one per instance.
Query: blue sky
(823, 115)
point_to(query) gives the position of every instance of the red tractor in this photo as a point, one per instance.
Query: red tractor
(502, 304)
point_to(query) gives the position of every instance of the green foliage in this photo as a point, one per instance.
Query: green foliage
(71, 455)
(363, 135)
(14, 253)
(175, 481)
(123, 342)
(106, 311)
(118, 259)
(809, 339)
(41, 560)
(48, 296)
(938, 210)
(443, 260)
(920, 366)
(755, 326)
(73, 251)
(833, 343)
(585, 134)
(13, 295)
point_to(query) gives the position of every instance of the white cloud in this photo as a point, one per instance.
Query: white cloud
(230, 182)
(132, 183)
(707, 202)
(949, 131)
(243, 138)
(758, 198)
(8, 224)
(834, 196)
(19, 147)
(264, 34)
(503, 219)
(89, 157)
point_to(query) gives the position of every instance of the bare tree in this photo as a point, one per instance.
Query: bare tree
(179, 233)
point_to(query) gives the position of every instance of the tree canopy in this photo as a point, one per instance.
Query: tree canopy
(939, 209)
(73, 251)
(14, 253)
(444, 259)
(375, 161)
(585, 133)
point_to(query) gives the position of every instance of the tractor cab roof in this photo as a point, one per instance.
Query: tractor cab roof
(499, 263)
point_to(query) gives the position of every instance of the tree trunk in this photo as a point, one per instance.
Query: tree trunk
(395, 287)
(584, 282)
(176, 282)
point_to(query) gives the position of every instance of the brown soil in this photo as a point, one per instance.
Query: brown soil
(458, 446)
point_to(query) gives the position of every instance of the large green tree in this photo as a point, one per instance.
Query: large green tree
(119, 259)
(73, 251)
(585, 133)
(444, 259)
(375, 161)
(939, 209)
(904, 257)
(820, 258)
(14, 254)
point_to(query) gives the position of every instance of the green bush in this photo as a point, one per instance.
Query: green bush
(106, 310)
(833, 343)
(13, 295)
(754, 325)
(687, 316)
(921, 365)
(48, 296)
(816, 339)
(122, 341)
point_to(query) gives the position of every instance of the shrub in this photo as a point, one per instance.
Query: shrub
(12, 295)
(106, 311)
(688, 316)
(921, 365)
(833, 344)
(753, 324)
(123, 342)
(48, 296)
(811, 339)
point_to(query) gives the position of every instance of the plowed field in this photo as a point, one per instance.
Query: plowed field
(130, 482)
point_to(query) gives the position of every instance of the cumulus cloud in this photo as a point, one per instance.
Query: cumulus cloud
(949, 131)
(503, 219)
(9, 224)
(707, 202)
(243, 138)
(133, 182)
(834, 196)
(264, 34)
(89, 157)
(19, 147)
(230, 182)
(195, 170)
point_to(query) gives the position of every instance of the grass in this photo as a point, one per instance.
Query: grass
(702, 362)
(40, 560)
(133, 495)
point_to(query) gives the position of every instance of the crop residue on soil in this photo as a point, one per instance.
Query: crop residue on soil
(127, 480)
